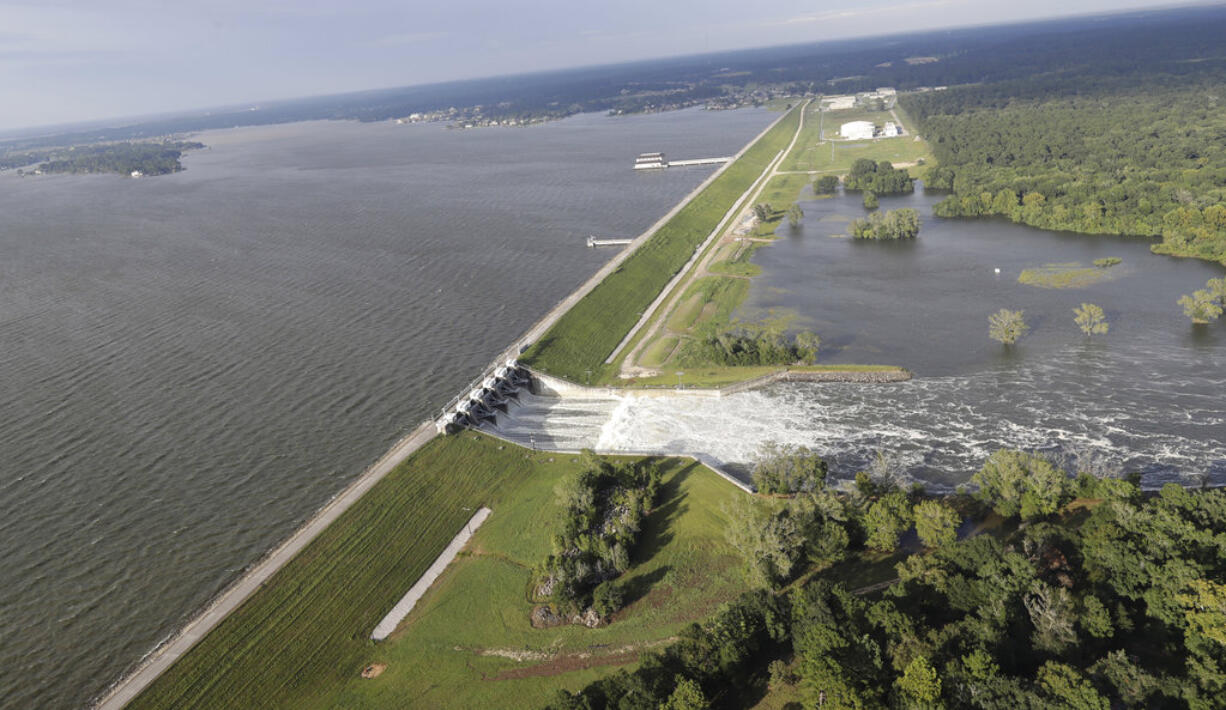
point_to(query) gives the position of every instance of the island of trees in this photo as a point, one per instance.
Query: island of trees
(892, 224)
(878, 178)
(148, 158)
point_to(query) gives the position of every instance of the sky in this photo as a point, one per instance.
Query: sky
(66, 61)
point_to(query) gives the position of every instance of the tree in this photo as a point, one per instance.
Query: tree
(893, 224)
(687, 696)
(886, 520)
(1217, 289)
(1069, 689)
(1091, 319)
(794, 216)
(920, 685)
(1201, 306)
(935, 523)
(826, 185)
(762, 211)
(771, 542)
(807, 345)
(788, 468)
(1052, 613)
(870, 200)
(1007, 326)
(1017, 482)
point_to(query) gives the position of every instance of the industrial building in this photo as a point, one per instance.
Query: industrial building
(857, 130)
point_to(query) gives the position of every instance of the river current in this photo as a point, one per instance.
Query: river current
(192, 364)
(1147, 397)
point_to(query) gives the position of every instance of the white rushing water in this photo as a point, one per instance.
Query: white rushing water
(1133, 412)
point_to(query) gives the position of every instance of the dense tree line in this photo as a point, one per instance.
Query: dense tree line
(120, 158)
(1091, 594)
(603, 505)
(748, 344)
(890, 225)
(878, 178)
(1143, 157)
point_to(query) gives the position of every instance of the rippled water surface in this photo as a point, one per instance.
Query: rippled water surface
(192, 364)
(1149, 397)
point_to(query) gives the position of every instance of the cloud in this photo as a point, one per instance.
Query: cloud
(856, 12)
(408, 38)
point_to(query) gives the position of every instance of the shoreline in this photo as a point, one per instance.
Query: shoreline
(162, 656)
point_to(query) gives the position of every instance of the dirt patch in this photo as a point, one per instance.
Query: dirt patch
(374, 670)
(619, 656)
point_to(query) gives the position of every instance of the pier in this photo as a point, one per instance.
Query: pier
(595, 241)
(657, 161)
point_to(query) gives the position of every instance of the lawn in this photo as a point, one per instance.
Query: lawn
(811, 153)
(716, 376)
(582, 338)
(469, 643)
(306, 631)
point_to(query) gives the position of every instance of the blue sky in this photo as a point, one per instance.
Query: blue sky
(75, 60)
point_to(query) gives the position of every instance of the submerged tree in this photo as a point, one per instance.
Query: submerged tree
(1201, 306)
(1007, 326)
(794, 215)
(1091, 319)
(826, 185)
(870, 200)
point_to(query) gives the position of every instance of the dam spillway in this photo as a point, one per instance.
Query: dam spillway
(936, 430)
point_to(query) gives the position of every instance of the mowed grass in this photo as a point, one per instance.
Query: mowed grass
(589, 331)
(814, 154)
(469, 643)
(717, 376)
(660, 351)
(306, 632)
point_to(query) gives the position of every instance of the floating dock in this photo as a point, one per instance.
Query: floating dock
(595, 241)
(657, 161)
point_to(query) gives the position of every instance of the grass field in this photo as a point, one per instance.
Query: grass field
(303, 639)
(812, 153)
(588, 332)
(714, 376)
(469, 644)
(307, 630)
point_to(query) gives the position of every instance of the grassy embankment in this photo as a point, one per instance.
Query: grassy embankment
(469, 643)
(586, 335)
(713, 299)
(302, 639)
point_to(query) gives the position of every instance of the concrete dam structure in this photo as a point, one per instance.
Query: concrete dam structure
(489, 394)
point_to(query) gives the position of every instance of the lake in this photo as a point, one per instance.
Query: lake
(193, 364)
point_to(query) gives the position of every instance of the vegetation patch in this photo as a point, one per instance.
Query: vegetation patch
(603, 505)
(1066, 275)
(891, 225)
(659, 351)
(880, 178)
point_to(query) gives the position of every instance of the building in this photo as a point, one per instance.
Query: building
(840, 103)
(857, 130)
(891, 129)
(647, 161)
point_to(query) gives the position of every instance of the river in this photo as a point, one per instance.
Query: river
(1146, 397)
(193, 364)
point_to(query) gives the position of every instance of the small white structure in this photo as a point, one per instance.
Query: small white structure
(857, 130)
(891, 129)
(137, 173)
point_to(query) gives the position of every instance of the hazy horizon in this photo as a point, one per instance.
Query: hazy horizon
(64, 63)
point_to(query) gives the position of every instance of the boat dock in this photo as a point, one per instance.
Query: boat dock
(655, 161)
(595, 241)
